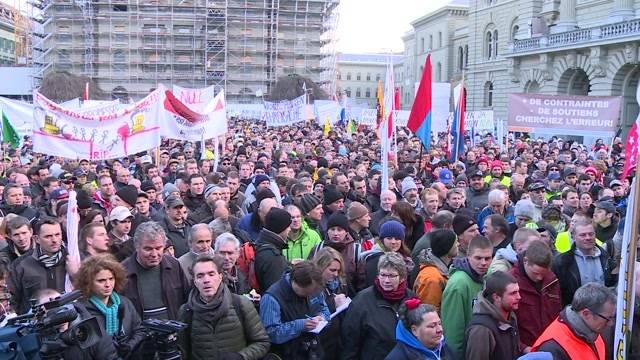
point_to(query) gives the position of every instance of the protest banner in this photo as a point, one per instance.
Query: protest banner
(571, 115)
(73, 134)
(183, 122)
(368, 117)
(245, 111)
(327, 109)
(286, 112)
(480, 120)
(401, 117)
(19, 114)
(195, 99)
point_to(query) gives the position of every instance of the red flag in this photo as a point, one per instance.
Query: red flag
(631, 150)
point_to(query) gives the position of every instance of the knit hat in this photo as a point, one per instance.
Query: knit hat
(462, 223)
(526, 208)
(356, 210)
(209, 189)
(308, 202)
(168, 189)
(147, 185)
(84, 201)
(392, 228)
(331, 196)
(442, 241)
(264, 194)
(128, 194)
(483, 159)
(260, 178)
(408, 184)
(277, 220)
(338, 219)
(445, 176)
(496, 164)
(591, 169)
(462, 177)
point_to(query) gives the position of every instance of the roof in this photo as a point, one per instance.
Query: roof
(368, 58)
(458, 3)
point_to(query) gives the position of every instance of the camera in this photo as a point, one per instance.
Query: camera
(165, 336)
(38, 334)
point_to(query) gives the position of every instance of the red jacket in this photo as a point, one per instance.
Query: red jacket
(537, 309)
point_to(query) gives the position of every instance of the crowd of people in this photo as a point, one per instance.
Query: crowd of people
(293, 248)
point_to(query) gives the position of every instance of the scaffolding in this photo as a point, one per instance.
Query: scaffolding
(131, 46)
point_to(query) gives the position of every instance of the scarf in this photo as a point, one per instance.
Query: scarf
(406, 337)
(48, 261)
(211, 312)
(333, 285)
(110, 313)
(393, 295)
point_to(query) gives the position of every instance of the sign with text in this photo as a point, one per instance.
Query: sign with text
(572, 114)
(283, 113)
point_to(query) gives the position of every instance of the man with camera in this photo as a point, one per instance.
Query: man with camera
(44, 267)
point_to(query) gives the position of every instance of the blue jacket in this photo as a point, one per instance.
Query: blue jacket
(508, 215)
(409, 347)
(246, 224)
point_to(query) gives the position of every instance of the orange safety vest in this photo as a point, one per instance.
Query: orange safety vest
(575, 347)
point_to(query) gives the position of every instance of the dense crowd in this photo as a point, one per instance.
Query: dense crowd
(291, 249)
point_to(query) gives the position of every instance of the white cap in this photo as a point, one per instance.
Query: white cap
(119, 213)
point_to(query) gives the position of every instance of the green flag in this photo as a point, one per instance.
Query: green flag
(9, 134)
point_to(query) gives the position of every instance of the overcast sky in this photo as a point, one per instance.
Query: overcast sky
(377, 25)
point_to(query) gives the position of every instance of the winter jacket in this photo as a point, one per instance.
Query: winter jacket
(239, 331)
(251, 224)
(606, 234)
(300, 247)
(178, 237)
(131, 333)
(431, 281)
(508, 215)
(350, 251)
(369, 337)
(175, 286)
(269, 262)
(539, 303)
(28, 276)
(193, 202)
(203, 215)
(489, 335)
(409, 347)
(503, 260)
(25, 211)
(457, 302)
(376, 221)
(477, 199)
(566, 269)
(9, 253)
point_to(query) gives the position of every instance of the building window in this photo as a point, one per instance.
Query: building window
(439, 39)
(368, 76)
(348, 76)
(422, 44)
(514, 32)
(378, 77)
(460, 58)
(347, 91)
(466, 55)
(430, 42)
(488, 43)
(338, 76)
(358, 77)
(358, 93)
(367, 92)
(488, 94)
(119, 60)
(439, 72)
(495, 44)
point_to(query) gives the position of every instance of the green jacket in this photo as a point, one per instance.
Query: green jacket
(457, 306)
(302, 246)
(234, 333)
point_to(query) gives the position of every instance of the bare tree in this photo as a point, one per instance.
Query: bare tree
(60, 86)
(290, 87)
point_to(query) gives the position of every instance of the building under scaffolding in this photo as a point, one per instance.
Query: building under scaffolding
(131, 46)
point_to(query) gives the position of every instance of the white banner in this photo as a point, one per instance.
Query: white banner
(368, 117)
(283, 113)
(195, 99)
(73, 218)
(20, 115)
(183, 122)
(245, 111)
(324, 109)
(441, 99)
(401, 117)
(481, 120)
(72, 134)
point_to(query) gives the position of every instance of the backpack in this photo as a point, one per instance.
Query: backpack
(246, 263)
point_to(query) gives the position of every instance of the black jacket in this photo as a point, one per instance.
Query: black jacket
(566, 269)
(376, 220)
(179, 238)
(131, 333)
(270, 264)
(25, 211)
(193, 202)
(9, 253)
(175, 286)
(370, 337)
(203, 215)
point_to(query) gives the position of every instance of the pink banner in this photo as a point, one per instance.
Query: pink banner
(570, 113)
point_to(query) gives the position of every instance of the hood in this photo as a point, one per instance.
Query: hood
(431, 260)
(462, 264)
(484, 306)
(508, 254)
(406, 337)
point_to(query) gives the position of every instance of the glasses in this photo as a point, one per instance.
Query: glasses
(388, 276)
(607, 319)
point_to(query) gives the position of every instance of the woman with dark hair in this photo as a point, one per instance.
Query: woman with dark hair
(100, 278)
(413, 223)
(419, 333)
(330, 262)
(369, 327)
(586, 199)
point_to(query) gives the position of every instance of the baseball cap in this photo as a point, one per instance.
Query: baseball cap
(536, 186)
(79, 172)
(553, 176)
(608, 206)
(119, 213)
(173, 202)
(59, 194)
(615, 182)
(478, 173)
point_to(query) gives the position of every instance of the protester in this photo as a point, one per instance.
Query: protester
(270, 262)
(200, 241)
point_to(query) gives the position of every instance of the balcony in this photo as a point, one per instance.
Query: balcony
(580, 38)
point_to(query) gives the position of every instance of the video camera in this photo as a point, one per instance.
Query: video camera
(165, 335)
(37, 335)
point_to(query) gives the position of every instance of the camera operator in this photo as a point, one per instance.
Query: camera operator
(99, 279)
(44, 267)
(222, 325)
